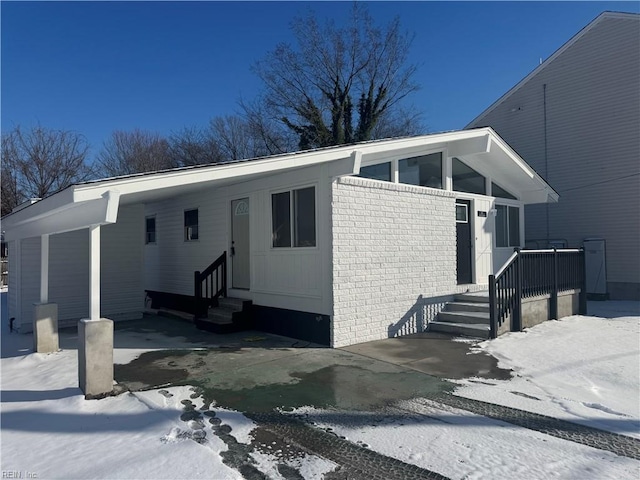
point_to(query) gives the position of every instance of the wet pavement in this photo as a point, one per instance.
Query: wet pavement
(263, 375)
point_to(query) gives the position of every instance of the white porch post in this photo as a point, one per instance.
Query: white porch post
(95, 334)
(45, 319)
(44, 269)
(94, 272)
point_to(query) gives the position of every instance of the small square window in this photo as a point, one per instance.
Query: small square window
(462, 214)
(190, 225)
(150, 230)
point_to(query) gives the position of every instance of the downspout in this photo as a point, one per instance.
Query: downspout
(546, 152)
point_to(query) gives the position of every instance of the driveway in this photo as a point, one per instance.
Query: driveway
(259, 372)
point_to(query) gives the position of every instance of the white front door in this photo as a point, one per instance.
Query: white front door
(240, 272)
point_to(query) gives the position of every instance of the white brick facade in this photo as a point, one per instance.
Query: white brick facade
(394, 258)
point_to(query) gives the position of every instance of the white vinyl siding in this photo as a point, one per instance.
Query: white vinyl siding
(291, 278)
(122, 294)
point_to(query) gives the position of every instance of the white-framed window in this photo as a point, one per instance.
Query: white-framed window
(466, 179)
(462, 213)
(379, 171)
(191, 225)
(425, 170)
(507, 226)
(293, 218)
(498, 191)
(150, 230)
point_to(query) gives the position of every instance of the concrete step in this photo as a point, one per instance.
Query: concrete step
(221, 315)
(466, 307)
(474, 297)
(464, 317)
(464, 329)
(237, 304)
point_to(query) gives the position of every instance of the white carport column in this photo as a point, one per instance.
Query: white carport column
(95, 334)
(45, 318)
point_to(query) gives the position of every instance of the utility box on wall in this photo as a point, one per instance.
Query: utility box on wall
(596, 268)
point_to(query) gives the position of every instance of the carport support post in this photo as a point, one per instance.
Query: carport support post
(45, 314)
(95, 334)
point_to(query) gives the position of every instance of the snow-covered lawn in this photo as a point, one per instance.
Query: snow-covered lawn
(583, 369)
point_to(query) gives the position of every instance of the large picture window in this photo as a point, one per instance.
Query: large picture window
(293, 218)
(507, 226)
(466, 179)
(191, 225)
(425, 170)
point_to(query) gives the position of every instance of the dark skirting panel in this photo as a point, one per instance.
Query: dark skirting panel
(290, 323)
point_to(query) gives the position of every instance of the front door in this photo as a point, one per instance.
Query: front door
(240, 272)
(463, 236)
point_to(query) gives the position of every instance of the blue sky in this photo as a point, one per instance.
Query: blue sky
(159, 66)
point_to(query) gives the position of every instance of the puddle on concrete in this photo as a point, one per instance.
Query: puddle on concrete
(281, 379)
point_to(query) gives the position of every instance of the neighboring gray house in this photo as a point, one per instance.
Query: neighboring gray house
(576, 119)
(339, 245)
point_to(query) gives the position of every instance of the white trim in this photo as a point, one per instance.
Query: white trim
(44, 269)
(291, 189)
(94, 272)
(93, 203)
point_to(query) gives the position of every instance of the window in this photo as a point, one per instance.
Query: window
(293, 218)
(425, 170)
(381, 171)
(190, 225)
(498, 191)
(150, 230)
(462, 214)
(507, 226)
(466, 179)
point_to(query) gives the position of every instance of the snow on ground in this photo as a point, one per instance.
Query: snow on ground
(583, 369)
(580, 369)
(461, 445)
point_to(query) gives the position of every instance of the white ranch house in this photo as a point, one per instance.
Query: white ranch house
(339, 245)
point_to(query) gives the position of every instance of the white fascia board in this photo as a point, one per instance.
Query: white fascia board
(72, 216)
(179, 178)
(525, 167)
(176, 178)
(56, 202)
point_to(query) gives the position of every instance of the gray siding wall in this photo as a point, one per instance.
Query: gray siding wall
(394, 258)
(593, 145)
(121, 272)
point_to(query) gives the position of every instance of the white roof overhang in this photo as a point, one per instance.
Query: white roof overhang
(96, 203)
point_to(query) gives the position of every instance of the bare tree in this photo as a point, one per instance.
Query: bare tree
(340, 81)
(194, 146)
(131, 152)
(39, 161)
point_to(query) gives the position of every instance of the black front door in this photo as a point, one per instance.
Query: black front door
(463, 235)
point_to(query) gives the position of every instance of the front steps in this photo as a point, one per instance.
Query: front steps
(467, 315)
(230, 315)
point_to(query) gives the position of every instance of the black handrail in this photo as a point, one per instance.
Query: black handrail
(530, 273)
(205, 293)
